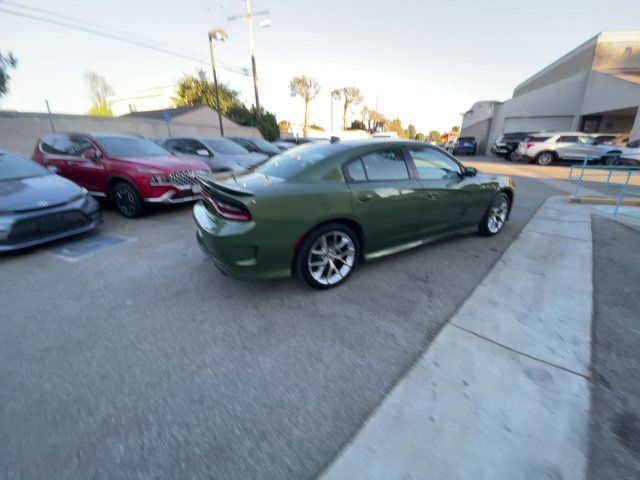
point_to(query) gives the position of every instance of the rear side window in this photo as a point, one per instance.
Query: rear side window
(537, 139)
(385, 165)
(60, 144)
(356, 171)
(568, 139)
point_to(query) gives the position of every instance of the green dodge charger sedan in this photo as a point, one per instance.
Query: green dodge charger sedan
(319, 209)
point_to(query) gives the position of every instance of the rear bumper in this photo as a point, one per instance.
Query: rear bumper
(87, 207)
(238, 250)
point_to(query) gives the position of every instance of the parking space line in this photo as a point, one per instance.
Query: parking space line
(81, 248)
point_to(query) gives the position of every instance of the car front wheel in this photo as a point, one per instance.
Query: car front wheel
(128, 200)
(328, 255)
(496, 215)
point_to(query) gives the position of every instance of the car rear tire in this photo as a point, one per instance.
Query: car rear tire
(545, 158)
(512, 156)
(128, 200)
(328, 255)
(496, 215)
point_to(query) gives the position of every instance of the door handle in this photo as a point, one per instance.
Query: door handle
(365, 197)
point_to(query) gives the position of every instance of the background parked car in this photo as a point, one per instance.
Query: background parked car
(256, 145)
(220, 153)
(283, 145)
(506, 145)
(130, 170)
(601, 149)
(38, 206)
(631, 153)
(542, 148)
(465, 146)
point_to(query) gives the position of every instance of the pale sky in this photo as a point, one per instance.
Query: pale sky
(425, 61)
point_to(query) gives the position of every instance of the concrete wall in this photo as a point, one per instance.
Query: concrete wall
(607, 92)
(19, 131)
(479, 112)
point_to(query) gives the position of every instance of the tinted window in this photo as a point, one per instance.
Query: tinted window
(190, 146)
(293, 161)
(634, 144)
(130, 147)
(171, 145)
(264, 146)
(537, 139)
(433, 165)
(356, 171)
(385, 165)
(225, 146)
(515, 136)
(568, 139)
(467, 139)
(72, 145)
(13, 167)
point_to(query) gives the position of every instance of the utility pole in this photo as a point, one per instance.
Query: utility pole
(220, 35)
(252, 47)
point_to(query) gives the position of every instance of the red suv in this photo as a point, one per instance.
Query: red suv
(127, 169)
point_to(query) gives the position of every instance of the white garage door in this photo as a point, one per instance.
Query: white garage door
(532, 124)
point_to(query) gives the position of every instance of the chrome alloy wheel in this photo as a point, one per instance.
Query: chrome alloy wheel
(497, 215)
(331, 258)
(545, 158)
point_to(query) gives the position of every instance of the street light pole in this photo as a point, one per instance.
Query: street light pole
(218, 35)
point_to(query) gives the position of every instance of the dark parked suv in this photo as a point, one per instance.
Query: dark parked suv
(465, 146)
(132, 171)
(506, 144)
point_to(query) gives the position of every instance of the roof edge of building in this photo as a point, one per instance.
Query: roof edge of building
(590, 42)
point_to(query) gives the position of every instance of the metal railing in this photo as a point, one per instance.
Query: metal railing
(609, 171)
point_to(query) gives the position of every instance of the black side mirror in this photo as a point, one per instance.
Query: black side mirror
(469, 172)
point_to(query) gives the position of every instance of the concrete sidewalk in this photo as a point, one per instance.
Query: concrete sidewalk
(503, 391)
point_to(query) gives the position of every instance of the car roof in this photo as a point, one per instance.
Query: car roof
(96, 134)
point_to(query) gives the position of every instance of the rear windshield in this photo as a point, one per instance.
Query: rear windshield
(225, 146)
(264, 145)
(130, 147)
(291, 162)
(13, 167)
(466, 139)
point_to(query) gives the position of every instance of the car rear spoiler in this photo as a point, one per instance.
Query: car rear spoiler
(209, 181)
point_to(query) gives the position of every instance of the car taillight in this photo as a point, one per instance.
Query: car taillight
(529, 145)
(226, 209)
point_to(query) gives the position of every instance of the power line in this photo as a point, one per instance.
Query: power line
(65, 21)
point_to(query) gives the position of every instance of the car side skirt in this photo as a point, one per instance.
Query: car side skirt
(408, 246)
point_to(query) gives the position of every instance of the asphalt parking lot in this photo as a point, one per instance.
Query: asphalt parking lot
(126, 354)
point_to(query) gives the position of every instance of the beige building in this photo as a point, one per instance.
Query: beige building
(142, 100)
(593, 88)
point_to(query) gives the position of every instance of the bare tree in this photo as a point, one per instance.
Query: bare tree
(99, 90)
(350, 96)
(307, 88)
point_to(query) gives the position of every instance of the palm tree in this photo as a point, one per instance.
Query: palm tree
(307, 88)
(351, 96)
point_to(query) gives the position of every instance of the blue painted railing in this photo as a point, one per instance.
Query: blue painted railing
(608, 170)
